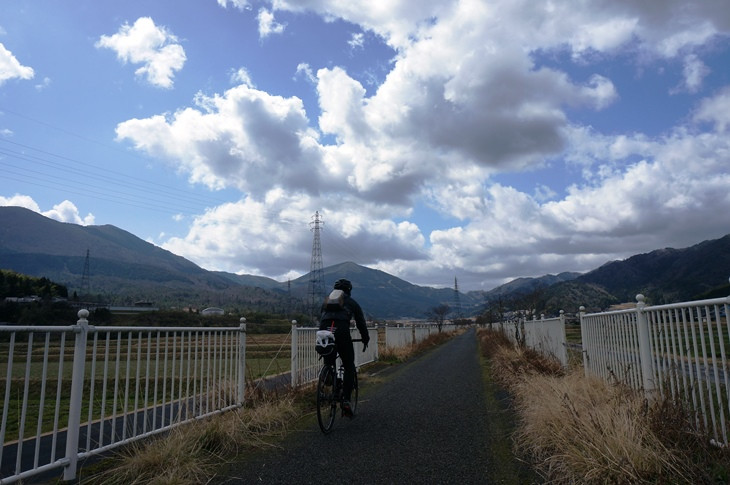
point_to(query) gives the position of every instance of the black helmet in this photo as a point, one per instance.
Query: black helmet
(344, 285)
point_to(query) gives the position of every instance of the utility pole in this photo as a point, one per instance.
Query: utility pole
(316, 272)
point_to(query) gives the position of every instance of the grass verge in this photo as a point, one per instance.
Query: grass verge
(192, 453)
(575, 429)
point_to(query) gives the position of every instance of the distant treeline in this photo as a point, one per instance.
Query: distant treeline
(17, 285)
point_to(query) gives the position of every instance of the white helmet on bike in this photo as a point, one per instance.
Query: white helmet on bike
(325, 344)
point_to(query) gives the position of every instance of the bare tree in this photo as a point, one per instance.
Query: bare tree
(438, 314)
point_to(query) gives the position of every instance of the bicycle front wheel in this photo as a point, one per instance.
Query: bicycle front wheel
(326, 399)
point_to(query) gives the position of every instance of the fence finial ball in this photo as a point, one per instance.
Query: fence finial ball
(640, 298)
(242, 320)
(293, 322)
(83, 313)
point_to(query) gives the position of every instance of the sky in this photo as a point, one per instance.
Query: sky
(480, 141)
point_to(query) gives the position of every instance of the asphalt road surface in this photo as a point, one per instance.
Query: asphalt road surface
(432, 420)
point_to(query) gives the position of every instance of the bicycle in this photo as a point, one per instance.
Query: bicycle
(329, 391)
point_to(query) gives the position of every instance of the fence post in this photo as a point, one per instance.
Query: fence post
(583, 335)
(77, 388)
(294, 352)
(647, 369)
(242, 362)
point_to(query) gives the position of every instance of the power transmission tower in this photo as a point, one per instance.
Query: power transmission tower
(86, 279)
(457, 300)
(316, 272)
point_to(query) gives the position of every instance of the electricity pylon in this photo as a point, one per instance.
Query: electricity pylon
(457, 300)
(316, 271)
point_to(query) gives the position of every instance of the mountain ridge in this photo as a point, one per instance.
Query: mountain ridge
(124, 269)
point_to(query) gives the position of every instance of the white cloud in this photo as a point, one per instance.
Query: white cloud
(267, 24)
(242, 76)
(154, 47)
(465, 100)
(716, 110)
(270, 236)
(20, 201)
(245, 138)
(44, 84)
(305, 70)
(239, 4)
(694, 72)
(10, 67)
(65, 211)
(357, 40)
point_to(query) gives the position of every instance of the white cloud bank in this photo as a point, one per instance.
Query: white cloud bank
(464, 102)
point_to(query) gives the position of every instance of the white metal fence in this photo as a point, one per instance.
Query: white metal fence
(396, 337)
(404, 336)
(673, 351)
(547, 335)
(74, 391)
(305, 361)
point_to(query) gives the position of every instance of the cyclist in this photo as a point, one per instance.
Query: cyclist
(340, 320)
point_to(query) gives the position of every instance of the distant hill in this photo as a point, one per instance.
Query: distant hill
(666, 275)
(662, 276)
(125, 269)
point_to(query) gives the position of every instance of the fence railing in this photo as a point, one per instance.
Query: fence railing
(407, 335)
(675, 351)
(74, 391)
(547, 335)
(305, 361)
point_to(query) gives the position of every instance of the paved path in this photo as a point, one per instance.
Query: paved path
(431, 420)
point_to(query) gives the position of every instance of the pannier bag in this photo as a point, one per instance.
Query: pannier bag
(325, 344)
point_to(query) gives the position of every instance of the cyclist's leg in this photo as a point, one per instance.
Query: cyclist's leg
(347, 354)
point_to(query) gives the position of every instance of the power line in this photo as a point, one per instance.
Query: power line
(92, 171)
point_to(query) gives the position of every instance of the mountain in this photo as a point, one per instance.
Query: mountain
(666, 275)
(662, 276)
(124, 269)
(520, 286)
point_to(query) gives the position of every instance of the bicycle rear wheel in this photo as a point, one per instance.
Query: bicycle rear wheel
(326, 399)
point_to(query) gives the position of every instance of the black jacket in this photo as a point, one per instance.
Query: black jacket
(341, 319)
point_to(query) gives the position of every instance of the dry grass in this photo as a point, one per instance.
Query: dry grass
(191, 454)
(582, 430)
